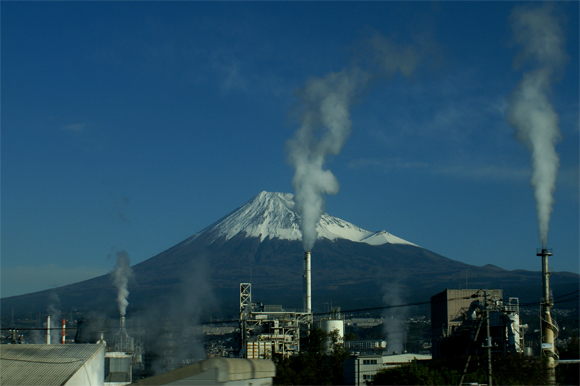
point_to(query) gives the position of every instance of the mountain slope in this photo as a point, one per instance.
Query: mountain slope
(260, 243)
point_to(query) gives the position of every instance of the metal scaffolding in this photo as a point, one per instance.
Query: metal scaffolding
(269, 330)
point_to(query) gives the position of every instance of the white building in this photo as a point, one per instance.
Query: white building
(362, 368)
(52, 364)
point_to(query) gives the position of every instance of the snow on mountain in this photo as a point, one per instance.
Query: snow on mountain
(271, 214)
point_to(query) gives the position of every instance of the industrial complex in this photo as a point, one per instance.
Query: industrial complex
(464, 323)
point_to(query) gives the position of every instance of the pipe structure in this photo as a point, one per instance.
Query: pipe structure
(547, 326)
(63, 331)
(307, 284)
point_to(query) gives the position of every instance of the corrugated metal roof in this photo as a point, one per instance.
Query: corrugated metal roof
(43, 364)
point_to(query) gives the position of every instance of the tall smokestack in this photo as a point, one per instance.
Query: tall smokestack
(307, 284)
(548, 328)
(63, 331)
(48, 329)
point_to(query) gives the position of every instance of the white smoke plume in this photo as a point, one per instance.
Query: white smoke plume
(394, 325)
(326, 125)
(121, 276)
(177, 338)
(55, 318)
(540, 34)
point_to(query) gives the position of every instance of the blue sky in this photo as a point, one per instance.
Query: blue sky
(134, 125)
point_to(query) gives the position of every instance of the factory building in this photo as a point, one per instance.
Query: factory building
(365, 345)
(52, 364)
(461, 317)
(267, 330)
(447, 311)
(360, 369)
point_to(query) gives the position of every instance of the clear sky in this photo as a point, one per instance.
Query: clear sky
(134, 125)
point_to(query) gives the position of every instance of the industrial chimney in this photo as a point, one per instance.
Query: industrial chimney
(548, 328)
(48, 329)
(307, 284)
(123, 331)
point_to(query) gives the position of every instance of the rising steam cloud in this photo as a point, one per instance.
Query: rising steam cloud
(121, 276)
(55, 317)
(539, 33)
(326, 125)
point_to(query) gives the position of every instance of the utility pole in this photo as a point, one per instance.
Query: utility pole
(469, 352)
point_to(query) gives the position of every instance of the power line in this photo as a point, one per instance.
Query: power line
(559, 300)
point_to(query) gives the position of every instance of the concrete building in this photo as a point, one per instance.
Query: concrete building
(360, 369)
(52, 364)
(218, 371)
(448, 308)
(363, 322)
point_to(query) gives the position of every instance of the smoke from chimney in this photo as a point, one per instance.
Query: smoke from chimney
(54, 314)
(395, 326)
(326, 125)
(121, 276)
(539, 33)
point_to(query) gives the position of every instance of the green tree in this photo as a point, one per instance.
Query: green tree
(350, 336)
(569, 373)
(514, 370)
(416, 374)
(320, 361)
(573, 349)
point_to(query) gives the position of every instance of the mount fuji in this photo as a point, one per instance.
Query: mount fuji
(272, 215)
(260, 243)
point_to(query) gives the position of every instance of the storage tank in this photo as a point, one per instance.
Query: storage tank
(329, 325)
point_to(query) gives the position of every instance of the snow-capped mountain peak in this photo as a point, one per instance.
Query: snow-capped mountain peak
(271, 214)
